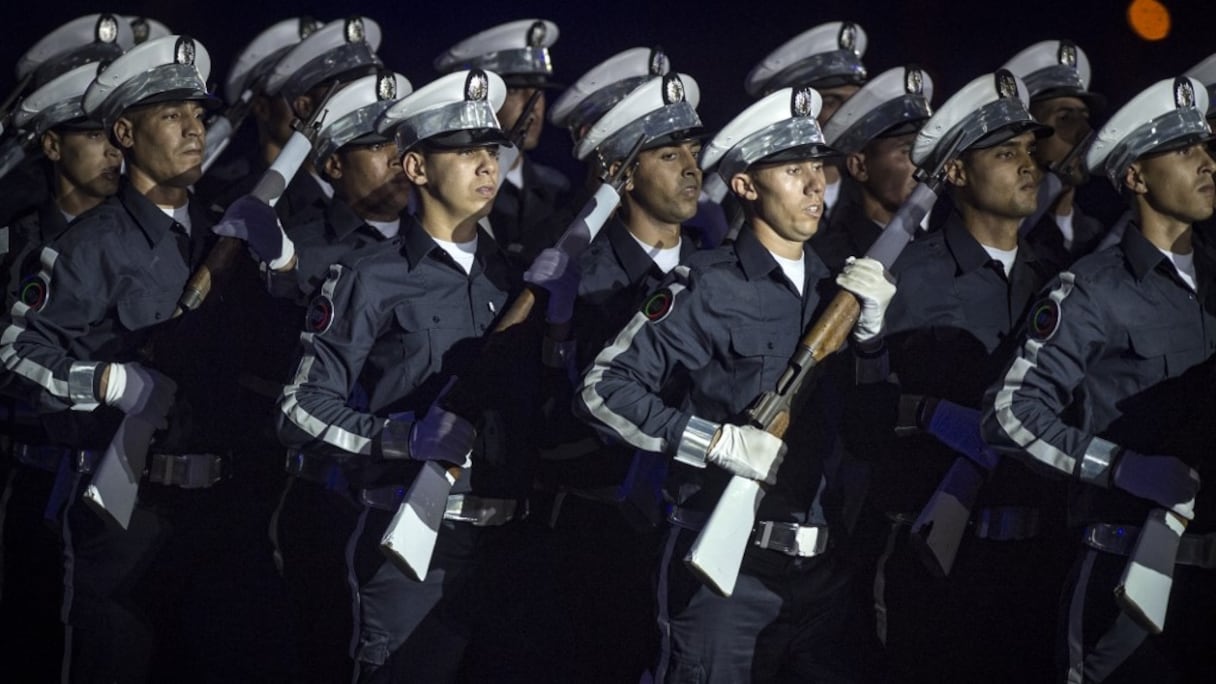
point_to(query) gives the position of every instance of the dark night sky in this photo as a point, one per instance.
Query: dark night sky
(715, 42)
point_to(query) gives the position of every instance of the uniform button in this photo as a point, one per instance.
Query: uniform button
(770, 345)
(434, 319)
(158, 315)
(482, 327)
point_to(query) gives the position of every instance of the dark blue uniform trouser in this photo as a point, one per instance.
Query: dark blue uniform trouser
(788, 620)
(31, 633)
(1103, 645)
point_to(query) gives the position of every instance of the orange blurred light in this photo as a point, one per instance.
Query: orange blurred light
(1149, 19)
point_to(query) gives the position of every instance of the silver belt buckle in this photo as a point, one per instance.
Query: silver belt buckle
(188, 471)
(383, 498)
(1007, 523)
(792, 539)
(479, 512)
(1116, 539)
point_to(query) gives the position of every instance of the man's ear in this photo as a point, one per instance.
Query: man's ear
(124, 133)
(302, 106)
(50, 145)
(333, 166)
(260, 108)
(414, 166)
(744, 186)
(856, 165)
(1133, 179)
(956, 173)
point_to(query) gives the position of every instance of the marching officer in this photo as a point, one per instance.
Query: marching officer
(726, 324)
(527, 215)
(1111, 389)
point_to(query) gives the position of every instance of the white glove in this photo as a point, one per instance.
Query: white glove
(553, 271)
(442, 436)
(1161, 479)
(139, 391)
(748, 452)
(867, 280)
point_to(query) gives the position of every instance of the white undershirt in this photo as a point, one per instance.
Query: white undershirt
(1064, 221)
(1184, 264)
(388, 229)
(325, 187)
(666, 258)
(461, 252)
(830, 194)
(180, 214)
(794, 269)
(516, 176)
(1006, 257)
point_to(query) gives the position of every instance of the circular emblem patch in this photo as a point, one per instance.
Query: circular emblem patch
(1044, 319)
(35, 291)
(657, 306)
(320, 315)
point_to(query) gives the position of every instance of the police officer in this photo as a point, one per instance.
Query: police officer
(526, 216)
(311, 525)
(338, 52)
(963, 293)
(108, 283)
(245, 89)
(1057, 75)
(610, 489)
(729, 319)
(400, 321)
(827, 58)
(1105, 388)
(84, 170)
(875, 130)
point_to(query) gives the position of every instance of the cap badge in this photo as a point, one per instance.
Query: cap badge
(1006, 85)
(386, 86)
(801, 102)
(848, 37)
(476, 86)
(354, 30)
(914, 82)
(1068, 54)
(536, 34)
(1184, 93)
(106, 30)
(673, 89)
(307, 27)
(184, 52)
(141, 29)
(659, 64)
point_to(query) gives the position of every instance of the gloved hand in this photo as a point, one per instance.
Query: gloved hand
(442, 436)
(958, 427)
(867, 280)
(254, 221)
(1162, 479)
(748, 451)
(553, 270)
(139, 391)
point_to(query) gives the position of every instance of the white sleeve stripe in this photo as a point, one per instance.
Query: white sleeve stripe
(290, 406)
(1039, 448)
(26, 368)
(623, 427)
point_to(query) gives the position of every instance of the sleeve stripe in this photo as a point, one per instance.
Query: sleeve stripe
(1039, 448)
(301, 418)
(24, 367)
(624, 428)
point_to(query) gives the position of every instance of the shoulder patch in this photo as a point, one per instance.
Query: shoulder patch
(35, 291)
(658, 305)
(320, 315)
(1044, 319)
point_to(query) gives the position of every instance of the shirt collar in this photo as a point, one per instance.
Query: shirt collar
(417, 243)
(1142, 255)
(151, 220)
(628, 252)
(341, 220)
(969, 255)
(758, 262)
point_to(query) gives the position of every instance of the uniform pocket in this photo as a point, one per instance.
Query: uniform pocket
(1166, 348)
(142, 311)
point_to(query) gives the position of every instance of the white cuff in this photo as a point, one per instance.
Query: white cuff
(116, 383)
(289, 253)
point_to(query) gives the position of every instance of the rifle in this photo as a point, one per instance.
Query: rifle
(14, 150)
(223, 126)
(410, 538)
(1143, 592)
(509, 154)
(269, 189)
(717, 553)
(1053, 184)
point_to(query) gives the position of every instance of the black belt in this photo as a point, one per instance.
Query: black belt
(789, 538)
(326, 471)
(1198, 550)
(48, 457)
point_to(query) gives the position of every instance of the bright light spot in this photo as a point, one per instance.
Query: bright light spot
(1149, 19)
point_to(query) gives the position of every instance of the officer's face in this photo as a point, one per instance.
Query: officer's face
(666, 184)
(1069, 116)
(786, 198)
(274, 117)
(462, 183)
(1178, 183)
(1002, 180)
(884, 170)
(513, 108)
(164, 142)
(833, 98)
(370, 180)
(85, 160)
